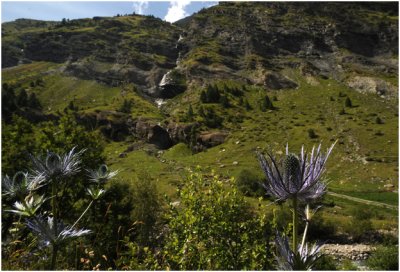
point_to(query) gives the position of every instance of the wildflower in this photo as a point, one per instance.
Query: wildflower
(101, 175)
(29, 206)
(296, 176)
(22, 184)
(55, 165)
(50, 232)
(303, 259)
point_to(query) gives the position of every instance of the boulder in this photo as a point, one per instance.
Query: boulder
(210, 139)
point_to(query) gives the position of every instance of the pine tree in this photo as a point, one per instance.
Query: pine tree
(203, 97)
(201, 111)
(266, 104)
(247, 105)
(348, 103)
(240, 101)
(126, 107)
(33, 102)
(224, 102)
(22, 98)
(190, 113)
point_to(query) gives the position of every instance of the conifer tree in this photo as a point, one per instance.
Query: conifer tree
(348, 103)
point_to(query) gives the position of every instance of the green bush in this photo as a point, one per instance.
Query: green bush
(326, 262)
(384, 258)
(321, 229)
(147, 208)
(249, 183)
(211, 227)
(312, 134)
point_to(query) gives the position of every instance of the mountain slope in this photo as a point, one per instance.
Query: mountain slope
(206, 84)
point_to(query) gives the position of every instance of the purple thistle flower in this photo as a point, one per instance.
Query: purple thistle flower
(45, 229)
(295, 176)
(22, 184)
(101, 175)
(54, 165)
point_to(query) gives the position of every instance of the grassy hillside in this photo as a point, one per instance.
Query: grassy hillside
(101, 63)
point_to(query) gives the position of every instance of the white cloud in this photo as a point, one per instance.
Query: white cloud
(176, 10)
(140, 6)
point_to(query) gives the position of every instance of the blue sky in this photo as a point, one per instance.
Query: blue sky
(57, 10)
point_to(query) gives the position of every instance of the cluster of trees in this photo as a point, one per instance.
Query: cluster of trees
(15, 101)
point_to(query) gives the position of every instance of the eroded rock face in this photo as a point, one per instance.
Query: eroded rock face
(276, 81)
(372, 85)
(152, 133)
(112, 124)
(180, 133)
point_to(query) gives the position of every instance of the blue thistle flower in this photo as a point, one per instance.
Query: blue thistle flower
(101, 175)
(296, 176)
(22, 184)
(50, 232)
(54, 165)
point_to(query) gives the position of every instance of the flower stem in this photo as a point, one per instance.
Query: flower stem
(303, 241)
(304, 236)
(54, 257)
(84, 212)
(295, 224)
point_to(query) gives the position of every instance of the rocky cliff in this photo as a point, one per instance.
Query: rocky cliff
(242, 41)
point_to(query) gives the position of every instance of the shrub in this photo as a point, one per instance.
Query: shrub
(212, 228)
(224, 102)
(247, 105)
(321, 229)
(211, 119)
(326, 262)
(358, 229)
(378, 121)
(384, 258)
(126, 106)
(249, 183)
(312, 134)
(146, 209)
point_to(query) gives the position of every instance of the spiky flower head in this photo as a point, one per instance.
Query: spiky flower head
(295, 176)
(54, 165)
(101, 175)
(303, 259)
(22, 184)
(50, 232)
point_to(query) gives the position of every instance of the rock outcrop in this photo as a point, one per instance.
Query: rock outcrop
(210, 139)
(373, 85)
(275, 81)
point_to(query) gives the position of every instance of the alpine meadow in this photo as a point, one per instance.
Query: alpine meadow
(246, 136)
